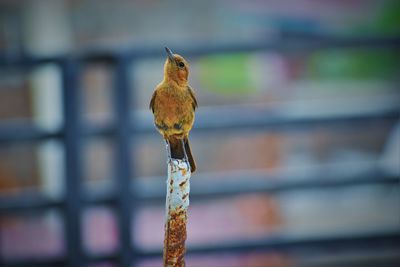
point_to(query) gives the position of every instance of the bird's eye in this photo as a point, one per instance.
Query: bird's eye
(181, 64)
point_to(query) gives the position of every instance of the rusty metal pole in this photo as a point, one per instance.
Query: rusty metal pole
(177, 203)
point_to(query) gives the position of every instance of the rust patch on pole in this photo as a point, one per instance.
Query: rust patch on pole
(177, 203)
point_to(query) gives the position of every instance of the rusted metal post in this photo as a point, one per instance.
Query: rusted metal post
(177, 203)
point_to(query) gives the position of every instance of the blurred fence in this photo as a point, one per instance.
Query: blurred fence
(126, 128)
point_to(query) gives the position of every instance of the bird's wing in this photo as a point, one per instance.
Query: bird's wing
(193, 96)
(153, 97)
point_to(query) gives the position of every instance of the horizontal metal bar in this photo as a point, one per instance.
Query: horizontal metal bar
(284, 42)
(305, 245)
(241, 119)
(147, 190)
(43, 262)
(36, 262)
(61, 261)
(104, 257)
(213, 119)
(25, 131)
(245, 182)
(28, 203)
(310, 244)
(387, 257)
(39, 202)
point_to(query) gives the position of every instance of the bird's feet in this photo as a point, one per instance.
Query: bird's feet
(186, 159)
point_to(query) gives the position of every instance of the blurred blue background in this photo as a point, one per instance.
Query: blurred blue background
(297, 135)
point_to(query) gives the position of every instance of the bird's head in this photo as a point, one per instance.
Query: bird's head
(176, 68)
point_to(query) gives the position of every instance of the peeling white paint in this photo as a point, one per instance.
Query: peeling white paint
(178, 186)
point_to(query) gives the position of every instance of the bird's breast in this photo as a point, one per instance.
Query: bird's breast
(173, 103)
(174, 111)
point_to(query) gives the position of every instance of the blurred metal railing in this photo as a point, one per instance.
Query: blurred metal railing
(126, 199)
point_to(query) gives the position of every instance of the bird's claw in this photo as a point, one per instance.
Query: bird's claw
(185, 158)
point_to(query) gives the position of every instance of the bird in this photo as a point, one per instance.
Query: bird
(173, 104)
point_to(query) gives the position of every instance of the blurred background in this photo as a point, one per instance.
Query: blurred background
(297, 135)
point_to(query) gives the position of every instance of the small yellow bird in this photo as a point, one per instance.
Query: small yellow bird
(173, 104)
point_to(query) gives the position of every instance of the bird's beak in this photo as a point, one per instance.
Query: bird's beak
(169, 54)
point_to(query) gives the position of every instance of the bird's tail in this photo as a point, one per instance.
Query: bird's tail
(177, 151)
